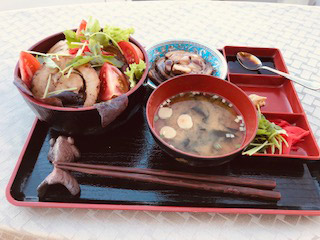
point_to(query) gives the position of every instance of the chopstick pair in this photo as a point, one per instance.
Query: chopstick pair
(245, 187)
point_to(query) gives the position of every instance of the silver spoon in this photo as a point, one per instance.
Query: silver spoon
(251, 62)
(150, 84)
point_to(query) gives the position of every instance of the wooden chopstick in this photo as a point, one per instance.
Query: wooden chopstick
(245, 182)
(171, 181)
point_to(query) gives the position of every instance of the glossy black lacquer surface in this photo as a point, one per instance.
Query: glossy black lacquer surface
(133, 145)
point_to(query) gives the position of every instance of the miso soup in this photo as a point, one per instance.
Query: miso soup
(199, 123)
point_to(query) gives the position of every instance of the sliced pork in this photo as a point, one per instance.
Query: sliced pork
(74, 81)
(92, 84)
(40, 81)
(60, 47)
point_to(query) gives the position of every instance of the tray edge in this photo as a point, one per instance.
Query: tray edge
(136, 207)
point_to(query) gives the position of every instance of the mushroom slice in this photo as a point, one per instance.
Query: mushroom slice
(168, 66)
(160, 66)
(175, 56)
(92, 82)
(197, 64)
(165, 112)
(180, 69)
(154, 75)
(208, 69)
(185, 60)
(185, 121)
(168, 132)
(171, 53)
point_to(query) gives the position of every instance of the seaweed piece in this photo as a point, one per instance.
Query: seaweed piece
(219, 133)
(232, 130)
(199, 111)
(186, 142)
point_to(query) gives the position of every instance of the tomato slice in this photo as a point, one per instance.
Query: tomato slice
(131, 52)
(82, 26)
(138, 51)
(73, 51)
(28, 65)
(113, 82)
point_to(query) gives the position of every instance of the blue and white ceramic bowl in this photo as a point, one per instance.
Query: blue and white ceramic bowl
(211, 55)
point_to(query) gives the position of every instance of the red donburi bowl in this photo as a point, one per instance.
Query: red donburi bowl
(209, 84)
(84, 120)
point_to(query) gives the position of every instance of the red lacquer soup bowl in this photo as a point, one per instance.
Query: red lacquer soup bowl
(83, 120)
(207, 84)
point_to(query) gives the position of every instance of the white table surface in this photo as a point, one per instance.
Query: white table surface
(294, 29)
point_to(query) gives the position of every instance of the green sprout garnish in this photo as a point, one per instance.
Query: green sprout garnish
(47, 87)
(60, 91)
(268, 136)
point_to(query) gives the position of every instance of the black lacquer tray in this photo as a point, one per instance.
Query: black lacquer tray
(132, 145)
(297, 174)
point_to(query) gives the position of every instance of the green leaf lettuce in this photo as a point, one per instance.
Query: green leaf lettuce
(135, 71)
(118, 34)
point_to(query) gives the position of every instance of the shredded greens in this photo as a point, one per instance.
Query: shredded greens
(95, 40)
(60, 91)
(48, 54)
(50, 63)
(109, 35)
(105, 39)
(268, 136)
(76, 62)
(71, 38)
(47, 87)
(93, 26)
(118, 34)
(88, 47)
(135, 71)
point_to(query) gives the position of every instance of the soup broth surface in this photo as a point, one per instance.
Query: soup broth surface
(203, 124)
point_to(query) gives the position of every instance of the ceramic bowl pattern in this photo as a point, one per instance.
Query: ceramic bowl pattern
(213, 56)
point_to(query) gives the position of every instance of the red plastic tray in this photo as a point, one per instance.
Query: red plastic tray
(282, 99)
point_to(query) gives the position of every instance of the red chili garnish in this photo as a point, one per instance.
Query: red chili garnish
(86, 49)
(73, 51)
(295, 135)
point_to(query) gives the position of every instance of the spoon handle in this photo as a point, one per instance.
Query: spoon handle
(308, 84)
(150, 84)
